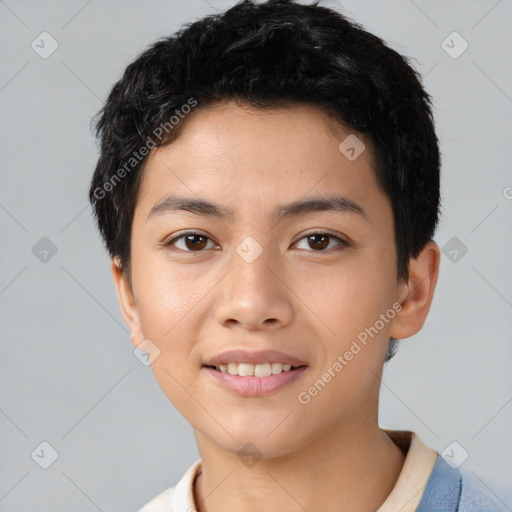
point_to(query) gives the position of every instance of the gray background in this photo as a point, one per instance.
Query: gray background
(68, 373)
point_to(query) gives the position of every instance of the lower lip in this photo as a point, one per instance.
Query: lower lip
(255, 386)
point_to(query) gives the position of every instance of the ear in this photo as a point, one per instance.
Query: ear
(127, 302)
(415, 295)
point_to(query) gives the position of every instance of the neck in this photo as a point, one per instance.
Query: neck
(341, 470)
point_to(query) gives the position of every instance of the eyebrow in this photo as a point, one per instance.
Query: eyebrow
(172, 204)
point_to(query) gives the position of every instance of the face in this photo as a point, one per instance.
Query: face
(258, 274)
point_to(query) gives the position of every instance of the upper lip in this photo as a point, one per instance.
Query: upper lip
(246, 356)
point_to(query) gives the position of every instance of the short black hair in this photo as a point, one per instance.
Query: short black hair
(270, 55)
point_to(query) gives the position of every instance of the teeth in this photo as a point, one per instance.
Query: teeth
(276, 368)
(258, 370)
(262, 370)
(245, 369)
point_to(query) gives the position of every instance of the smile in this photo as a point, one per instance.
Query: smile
(254, 380)
(256, 370)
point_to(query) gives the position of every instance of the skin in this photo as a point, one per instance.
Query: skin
(330, 454)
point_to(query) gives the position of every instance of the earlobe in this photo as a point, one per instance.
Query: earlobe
(417, 293)
(127, 302)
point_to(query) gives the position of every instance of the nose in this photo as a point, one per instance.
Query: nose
(254, 295)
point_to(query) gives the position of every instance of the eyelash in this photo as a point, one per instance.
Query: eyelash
(343, 244)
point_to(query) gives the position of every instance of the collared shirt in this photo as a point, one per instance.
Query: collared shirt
(426, 484)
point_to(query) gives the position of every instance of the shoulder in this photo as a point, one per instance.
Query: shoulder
(449, 489)
(160, 503)
(477, 496)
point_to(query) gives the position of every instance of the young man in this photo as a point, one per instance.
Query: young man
(268, 190)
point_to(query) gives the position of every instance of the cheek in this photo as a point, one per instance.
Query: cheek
(166, 293)
(350, 304)
(169, 305)
(171, 317)
(351, 297)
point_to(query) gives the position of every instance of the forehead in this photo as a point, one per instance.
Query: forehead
(245, 158)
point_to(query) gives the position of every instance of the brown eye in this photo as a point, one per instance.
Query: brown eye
(320, 241)
(190, 242)
(193, 242)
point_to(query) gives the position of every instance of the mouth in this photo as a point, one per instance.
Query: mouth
(254, 380)
(254, 370)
